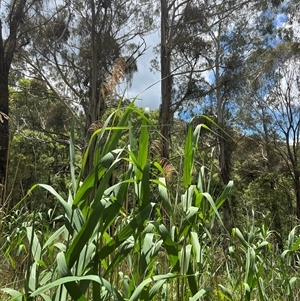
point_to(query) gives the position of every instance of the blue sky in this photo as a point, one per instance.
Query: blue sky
(280, 20)
(145, 83)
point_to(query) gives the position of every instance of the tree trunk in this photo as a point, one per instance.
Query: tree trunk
(224, 151)
(7, 51)
(224, 162)
(224, 159)
(4, 130)
(93, 115)
(166, 83)
(270, 169)
(297, 193)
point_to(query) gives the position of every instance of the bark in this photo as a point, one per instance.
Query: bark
(292, 159)
(297, 192)
(4, 129)
(224, 149)
(270, 156)
(92, 114)
(166, 83)
(294, 171)
(270, 169)
(225, 167)
(7, 51)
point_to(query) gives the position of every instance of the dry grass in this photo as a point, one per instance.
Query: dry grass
(117, 74)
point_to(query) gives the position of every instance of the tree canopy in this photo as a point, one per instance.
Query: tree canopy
(64, 61)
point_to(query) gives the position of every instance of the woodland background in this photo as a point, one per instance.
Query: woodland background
(230, 66)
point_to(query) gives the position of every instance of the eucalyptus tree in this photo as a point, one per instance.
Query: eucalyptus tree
(171, 17)
(178, 37)
(211, 61)
(8, 46)
(282, 104)
(209, 46)
(14, 28)
(270, 108)
(277, 45)
(86, 50)
(202, 51)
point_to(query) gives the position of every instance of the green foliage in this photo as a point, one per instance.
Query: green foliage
(138, 226)
(39, 142)
(132, 240)
(114, 251)
(265, 272)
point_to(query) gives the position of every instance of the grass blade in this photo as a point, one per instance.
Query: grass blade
(83, 236)
(72, 158)
(188, 158)
(74, 279)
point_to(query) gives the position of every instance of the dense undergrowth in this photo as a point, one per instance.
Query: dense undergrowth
(125, 235)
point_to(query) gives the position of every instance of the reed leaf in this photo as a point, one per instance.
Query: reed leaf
(188, 158)
(73, 279)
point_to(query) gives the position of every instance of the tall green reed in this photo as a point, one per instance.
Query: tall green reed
(115, 243)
